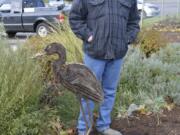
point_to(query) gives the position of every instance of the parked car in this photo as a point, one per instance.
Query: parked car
(149, 9)
(31, 16)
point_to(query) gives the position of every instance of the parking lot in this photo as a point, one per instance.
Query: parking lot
(18, 40)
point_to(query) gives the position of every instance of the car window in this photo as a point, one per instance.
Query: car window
(28, 3)
(33, 3)
(40, 3)
(16, 6)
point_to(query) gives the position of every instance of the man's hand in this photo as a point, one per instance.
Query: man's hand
(90, 39)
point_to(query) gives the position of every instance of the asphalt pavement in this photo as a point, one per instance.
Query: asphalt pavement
(18, 40)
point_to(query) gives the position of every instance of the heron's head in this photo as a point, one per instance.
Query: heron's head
(56, 48)
(53, 48)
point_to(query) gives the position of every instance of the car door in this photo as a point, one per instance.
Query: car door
(13, 21)
(29, 16)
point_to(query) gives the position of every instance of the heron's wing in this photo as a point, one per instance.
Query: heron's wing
(83, 79)
(85, 92)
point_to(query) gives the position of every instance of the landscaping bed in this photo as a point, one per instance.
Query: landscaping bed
(170, 29)
(165, 123)
(172, 36)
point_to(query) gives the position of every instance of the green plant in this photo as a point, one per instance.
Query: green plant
(147, 80)
(20, 88)
(20, 85)
(42, 122)
(151, 41)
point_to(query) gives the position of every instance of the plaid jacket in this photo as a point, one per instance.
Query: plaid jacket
(113, 24)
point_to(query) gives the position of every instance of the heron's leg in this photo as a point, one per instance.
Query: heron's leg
(83, 113)
(90, 117)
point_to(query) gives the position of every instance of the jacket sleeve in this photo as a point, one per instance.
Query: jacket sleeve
(133, 23)
(77, 20)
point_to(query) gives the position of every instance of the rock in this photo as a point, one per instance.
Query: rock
(132, 108)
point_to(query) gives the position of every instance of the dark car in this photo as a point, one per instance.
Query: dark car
(31, 16)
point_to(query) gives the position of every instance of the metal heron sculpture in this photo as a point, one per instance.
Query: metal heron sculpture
(76, 78)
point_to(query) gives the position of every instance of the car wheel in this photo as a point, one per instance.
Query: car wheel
(11, 34)
(42, 29)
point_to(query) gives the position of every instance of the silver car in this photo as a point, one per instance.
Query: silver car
(149, 9)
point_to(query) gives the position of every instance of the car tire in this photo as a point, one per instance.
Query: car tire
(42, 29)
(11, 34)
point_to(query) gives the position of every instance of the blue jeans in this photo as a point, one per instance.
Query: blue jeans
(108, 73)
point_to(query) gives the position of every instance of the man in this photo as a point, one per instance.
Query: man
(106, 28)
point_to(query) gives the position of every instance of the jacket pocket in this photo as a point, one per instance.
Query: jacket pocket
(96, 9)
(125, 3)
(95, 2)
(124, 6)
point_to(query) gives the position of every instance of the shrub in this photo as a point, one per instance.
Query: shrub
(20, 85)
(148, 80)
(42, 122)
(151, 41)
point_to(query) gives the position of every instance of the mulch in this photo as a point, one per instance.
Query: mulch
(165, 123)
(172, 36)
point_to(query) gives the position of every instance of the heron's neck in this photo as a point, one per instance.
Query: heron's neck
(61, 58)
(57, 64)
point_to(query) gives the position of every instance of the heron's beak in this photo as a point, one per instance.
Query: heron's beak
(39, 55)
